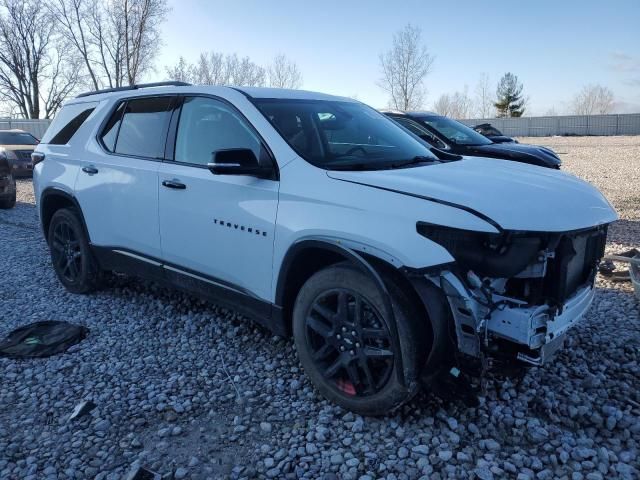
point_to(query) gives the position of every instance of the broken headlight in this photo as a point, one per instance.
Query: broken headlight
(501, 255)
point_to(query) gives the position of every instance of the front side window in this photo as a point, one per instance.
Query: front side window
(206, 126)
(342, 135)
(141, 131)
(456, 132)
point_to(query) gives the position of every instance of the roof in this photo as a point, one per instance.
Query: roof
(420, 113)
(388, 111)
(181, 87)
(285, 93)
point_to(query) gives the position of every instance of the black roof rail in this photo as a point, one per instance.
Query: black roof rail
(135, 87)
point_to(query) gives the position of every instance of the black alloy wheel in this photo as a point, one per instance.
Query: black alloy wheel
(71, 255)
(66, 254)
(345, 345)
(349, 342)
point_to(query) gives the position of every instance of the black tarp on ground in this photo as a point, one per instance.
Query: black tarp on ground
(41, 339)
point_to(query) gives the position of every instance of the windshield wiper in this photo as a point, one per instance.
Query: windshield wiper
(415, 160)
(352, 166)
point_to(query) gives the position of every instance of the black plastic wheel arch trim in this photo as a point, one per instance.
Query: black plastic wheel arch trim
(58, 192)
(361, 263)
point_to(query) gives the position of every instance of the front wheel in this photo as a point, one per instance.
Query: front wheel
(72, 259)
(346, 346)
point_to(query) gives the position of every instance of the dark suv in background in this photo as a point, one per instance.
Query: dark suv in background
(454, 137)
(18, 146)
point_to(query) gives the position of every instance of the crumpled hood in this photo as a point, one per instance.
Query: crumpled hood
(521, 152)
(514, 195)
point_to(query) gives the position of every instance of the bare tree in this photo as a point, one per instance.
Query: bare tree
(214, 68)
(284, 73)
(37, 70)
(142, 19)
(116, 39)
(442, 105)
(244, 72)
(593, 100)
(455, 105)
(181, 71)
(404, 69)
(484, 98)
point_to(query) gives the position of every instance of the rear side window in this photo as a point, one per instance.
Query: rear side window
(139, 127)
(67, 122)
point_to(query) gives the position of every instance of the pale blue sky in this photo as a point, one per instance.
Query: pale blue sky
(555, 47)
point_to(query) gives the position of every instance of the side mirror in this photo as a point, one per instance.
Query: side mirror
(239, 161)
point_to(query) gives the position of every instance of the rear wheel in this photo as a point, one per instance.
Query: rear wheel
(71, 255)
(345, 343)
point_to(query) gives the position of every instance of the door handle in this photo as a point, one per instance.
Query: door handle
(173, 184)
(91, 170)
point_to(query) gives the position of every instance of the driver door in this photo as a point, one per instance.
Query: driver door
(217, 228)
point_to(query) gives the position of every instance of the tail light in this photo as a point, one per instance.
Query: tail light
(37, 157)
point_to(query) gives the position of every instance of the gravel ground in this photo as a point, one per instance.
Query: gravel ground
(193, 391)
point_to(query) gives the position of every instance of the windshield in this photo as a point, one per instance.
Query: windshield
(17, 138)
(343, 135)
(456, 132)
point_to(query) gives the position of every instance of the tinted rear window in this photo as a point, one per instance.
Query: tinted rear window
(67, 122)
(17, 138)
(143, 128)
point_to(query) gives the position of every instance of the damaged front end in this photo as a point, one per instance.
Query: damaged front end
(514, 295)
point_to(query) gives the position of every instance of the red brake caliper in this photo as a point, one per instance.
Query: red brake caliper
(346, 386)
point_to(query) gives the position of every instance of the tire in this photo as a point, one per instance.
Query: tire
(330, 344)
(71, 256)
(9, 202)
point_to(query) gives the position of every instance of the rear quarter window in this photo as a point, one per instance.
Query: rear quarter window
(67, 122)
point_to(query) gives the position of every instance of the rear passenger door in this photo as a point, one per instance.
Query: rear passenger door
(117, 187)
(217, 229)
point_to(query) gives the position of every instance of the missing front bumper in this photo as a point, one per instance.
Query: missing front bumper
(532, 334)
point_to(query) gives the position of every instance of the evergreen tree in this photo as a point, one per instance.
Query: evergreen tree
(510, 101)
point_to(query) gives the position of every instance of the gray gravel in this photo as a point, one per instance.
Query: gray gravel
(194, 391)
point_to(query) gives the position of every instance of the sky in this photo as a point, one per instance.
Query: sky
(554, 47)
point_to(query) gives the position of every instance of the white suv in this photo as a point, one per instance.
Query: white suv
(321, 218)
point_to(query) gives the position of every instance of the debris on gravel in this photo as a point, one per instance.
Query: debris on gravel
(191, 390)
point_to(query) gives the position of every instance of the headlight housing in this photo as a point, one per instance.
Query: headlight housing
(500, 255)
